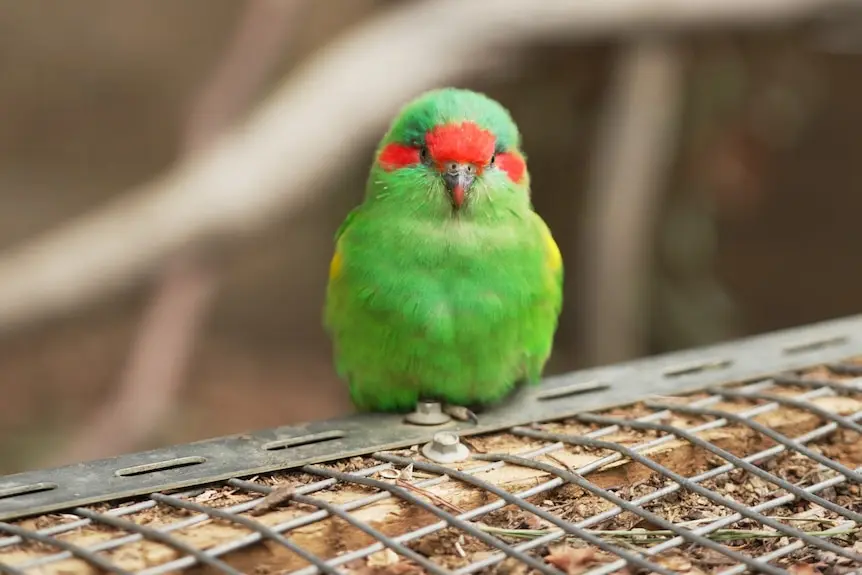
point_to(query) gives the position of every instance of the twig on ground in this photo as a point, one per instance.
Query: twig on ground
(559, 461)
(272, 500)
(650, 536)
(432, 496)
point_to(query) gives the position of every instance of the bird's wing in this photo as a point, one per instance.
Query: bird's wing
(553, 258)
(337, 261)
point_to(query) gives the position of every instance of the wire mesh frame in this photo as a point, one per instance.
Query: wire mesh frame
(264, 451)
(464, 521)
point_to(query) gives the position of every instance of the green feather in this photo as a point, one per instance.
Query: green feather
(426, 302)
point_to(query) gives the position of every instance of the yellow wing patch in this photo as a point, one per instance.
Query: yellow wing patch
(336, 263)
(552, 250)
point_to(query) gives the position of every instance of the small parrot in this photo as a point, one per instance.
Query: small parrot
(445, 284)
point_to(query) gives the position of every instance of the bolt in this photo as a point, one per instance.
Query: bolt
(445, 447)
(428, 413)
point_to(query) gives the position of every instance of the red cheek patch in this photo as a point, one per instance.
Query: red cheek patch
(513, 164)
(396, 156)
(464, 143)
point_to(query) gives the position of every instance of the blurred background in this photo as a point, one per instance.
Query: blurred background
(752, 223)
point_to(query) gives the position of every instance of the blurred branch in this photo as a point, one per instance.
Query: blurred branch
(635, 148)
(255, 49)
(329, 108)
(161, 353)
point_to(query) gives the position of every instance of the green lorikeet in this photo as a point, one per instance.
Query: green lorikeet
(445, 284)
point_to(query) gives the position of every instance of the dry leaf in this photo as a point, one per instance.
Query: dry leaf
(838, 404)
(675, 563)
(511, 566)
(400, 568)
(407, 473)
(803, 569)
(572, 561)
(207, 495)
(383, 558)
(534, 522)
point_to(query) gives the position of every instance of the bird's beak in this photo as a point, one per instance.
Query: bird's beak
(458, 178)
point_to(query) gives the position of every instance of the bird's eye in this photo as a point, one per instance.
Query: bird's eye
(493, 159)
(423, 154)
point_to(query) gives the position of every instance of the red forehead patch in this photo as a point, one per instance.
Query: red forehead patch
(466, 142)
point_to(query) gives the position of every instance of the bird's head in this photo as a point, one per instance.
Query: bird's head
(450, 143)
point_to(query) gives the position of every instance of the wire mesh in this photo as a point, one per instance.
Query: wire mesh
(762, 476)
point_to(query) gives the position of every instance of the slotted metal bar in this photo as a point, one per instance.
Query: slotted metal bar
(335, 511)
(770, 433)
(546, 486)
(751, 389)
(737, 461)
(225, 548)
(184, 523)
(452, 520)
(653, 518)
(74, 550)
(186, 561)
(648, 416)
(792, 402)
(743, 510)
(265, 531)
(220, 459)
(160, 537)
(568, 527)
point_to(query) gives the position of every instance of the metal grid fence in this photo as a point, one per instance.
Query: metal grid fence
(761, 476)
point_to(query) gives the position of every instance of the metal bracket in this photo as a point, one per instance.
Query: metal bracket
(180, 466)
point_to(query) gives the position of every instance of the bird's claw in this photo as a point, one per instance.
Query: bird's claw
(460, 413)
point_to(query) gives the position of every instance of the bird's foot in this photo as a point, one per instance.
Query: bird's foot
(460, 413)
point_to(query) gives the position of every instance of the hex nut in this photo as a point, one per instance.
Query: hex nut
(428, 413)
(446, 447)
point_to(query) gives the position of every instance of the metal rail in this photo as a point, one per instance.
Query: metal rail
(767, 367)
(294, 446)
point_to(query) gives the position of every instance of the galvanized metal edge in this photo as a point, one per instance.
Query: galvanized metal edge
(41, 491)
